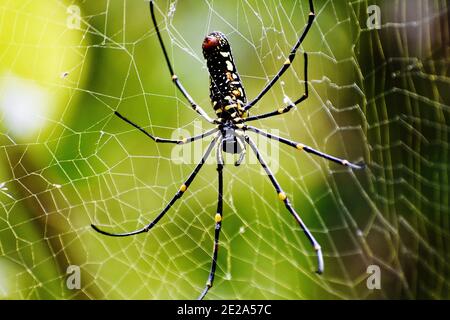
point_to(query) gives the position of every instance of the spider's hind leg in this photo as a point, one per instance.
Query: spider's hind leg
(173, 76)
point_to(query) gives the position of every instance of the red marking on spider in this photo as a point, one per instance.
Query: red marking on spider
(210, 42)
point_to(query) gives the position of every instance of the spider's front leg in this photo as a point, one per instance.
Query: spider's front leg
(218, 221)
(177, 196)
(282, 196)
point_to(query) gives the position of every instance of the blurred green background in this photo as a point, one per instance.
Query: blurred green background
(378, 95)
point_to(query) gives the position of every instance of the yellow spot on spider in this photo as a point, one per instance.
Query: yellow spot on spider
(231, 106)
(345, 162)
(240, 125)
(183, 140)
(281, 110)
(282, 196)
(300, 146)
(218, 111)
(183, 188)
(237, 93)
(218, 218)
(174, 77)
(287, 62)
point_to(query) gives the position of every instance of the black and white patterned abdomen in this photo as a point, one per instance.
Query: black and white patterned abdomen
(227, 93)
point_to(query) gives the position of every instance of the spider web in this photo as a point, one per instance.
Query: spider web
(378, 95)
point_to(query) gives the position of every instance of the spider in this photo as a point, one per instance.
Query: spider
(230, 104)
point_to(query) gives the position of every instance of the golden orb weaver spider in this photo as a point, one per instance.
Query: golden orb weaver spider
(229, 101)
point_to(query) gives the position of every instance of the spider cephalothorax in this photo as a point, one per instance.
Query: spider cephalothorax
(230, 134)
(227, 93)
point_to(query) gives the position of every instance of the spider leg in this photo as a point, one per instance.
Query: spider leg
(175, 79)
(301, 146)
(290, 105)
(218, 221)
(282, 196)
(240, 139)
(164, 140)
(288, 61)
(177, 196)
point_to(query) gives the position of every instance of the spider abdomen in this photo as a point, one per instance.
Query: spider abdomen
(227, 92)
